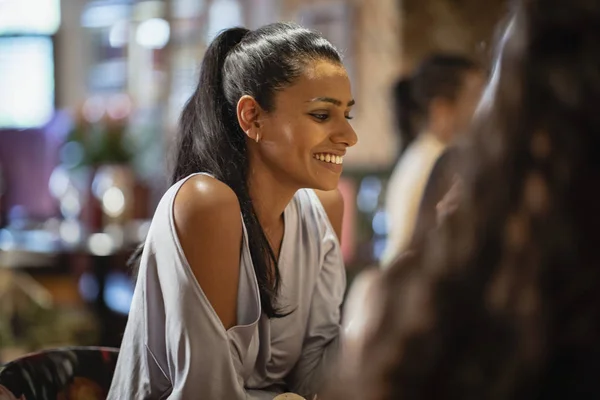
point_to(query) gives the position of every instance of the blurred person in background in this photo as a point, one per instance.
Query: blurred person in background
(502, 301)
(433, 106)
(230, 307)
(441, 195)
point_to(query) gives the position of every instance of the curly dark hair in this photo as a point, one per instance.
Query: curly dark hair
(502, 301)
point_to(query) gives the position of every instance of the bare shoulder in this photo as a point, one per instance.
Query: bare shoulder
(203, 193)
(333, 203)
(204, 203)
(209, 227)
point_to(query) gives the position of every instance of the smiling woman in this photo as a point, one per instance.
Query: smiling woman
(247, 308)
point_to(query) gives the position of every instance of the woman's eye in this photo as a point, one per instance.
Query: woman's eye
(320, 117)
(348, 117)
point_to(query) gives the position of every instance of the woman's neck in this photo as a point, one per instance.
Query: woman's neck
(270, 196)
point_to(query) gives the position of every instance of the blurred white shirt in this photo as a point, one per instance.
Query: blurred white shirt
(405, 191)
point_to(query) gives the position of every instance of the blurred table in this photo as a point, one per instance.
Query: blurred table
(97, 270)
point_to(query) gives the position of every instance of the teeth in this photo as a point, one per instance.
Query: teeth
(330, 158)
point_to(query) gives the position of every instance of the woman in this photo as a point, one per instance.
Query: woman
(433, 107)
(246, 308)
(503, 301)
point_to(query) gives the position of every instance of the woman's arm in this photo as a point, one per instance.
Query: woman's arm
(321, 342)
(209, 227)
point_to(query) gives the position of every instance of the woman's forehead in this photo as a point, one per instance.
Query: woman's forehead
(321, 79)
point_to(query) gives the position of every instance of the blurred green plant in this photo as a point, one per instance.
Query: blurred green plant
(100, 135)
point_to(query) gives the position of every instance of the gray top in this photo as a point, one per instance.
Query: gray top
(175, 346)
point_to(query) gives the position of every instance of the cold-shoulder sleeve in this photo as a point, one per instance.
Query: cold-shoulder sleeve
(322, 339)
(198, 357)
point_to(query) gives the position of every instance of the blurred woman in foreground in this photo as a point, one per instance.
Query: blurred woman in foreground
(502, 301)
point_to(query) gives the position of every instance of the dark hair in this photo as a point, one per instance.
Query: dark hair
(438, 76)
(503, 301)
(242, 62)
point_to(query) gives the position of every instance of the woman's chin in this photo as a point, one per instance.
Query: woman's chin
(326, 185)
(322, 179)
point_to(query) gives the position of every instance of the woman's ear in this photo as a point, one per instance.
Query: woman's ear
(248, 113)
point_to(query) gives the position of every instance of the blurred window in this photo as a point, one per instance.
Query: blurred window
(27, 74)
(41, 17)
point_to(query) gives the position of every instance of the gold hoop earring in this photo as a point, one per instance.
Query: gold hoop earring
(257, 137)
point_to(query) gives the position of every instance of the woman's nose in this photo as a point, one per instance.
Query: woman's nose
(346, 136)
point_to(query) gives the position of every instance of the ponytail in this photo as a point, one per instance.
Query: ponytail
(209, 124)
(207, 115)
